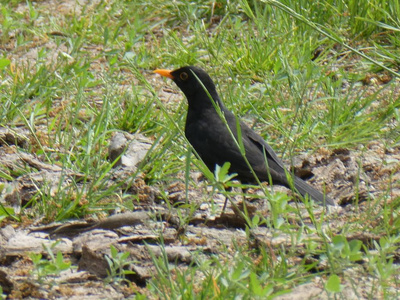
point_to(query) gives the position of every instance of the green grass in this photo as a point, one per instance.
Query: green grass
(293, 70)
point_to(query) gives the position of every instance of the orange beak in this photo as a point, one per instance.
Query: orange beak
(165, 73)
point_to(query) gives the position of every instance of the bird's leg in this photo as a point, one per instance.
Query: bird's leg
(223, 209)
(226, 188)
(227, 197)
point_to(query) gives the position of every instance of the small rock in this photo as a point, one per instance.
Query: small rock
(129, 150)
(13, 137)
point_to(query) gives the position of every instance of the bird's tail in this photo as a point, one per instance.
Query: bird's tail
(305, 189)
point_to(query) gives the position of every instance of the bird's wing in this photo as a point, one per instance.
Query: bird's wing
(300, 185)
(261, 144)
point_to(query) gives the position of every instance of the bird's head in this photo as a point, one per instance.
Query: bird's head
(195, 83)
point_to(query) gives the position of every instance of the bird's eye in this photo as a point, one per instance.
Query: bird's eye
(184, 76)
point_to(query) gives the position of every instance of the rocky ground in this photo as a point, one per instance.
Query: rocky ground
(87, 243)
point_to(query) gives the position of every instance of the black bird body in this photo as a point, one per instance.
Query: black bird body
(210, 137)
(214, 144)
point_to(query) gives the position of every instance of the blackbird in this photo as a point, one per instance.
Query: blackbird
(209, 135)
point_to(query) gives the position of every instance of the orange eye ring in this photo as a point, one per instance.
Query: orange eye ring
(183, 76)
